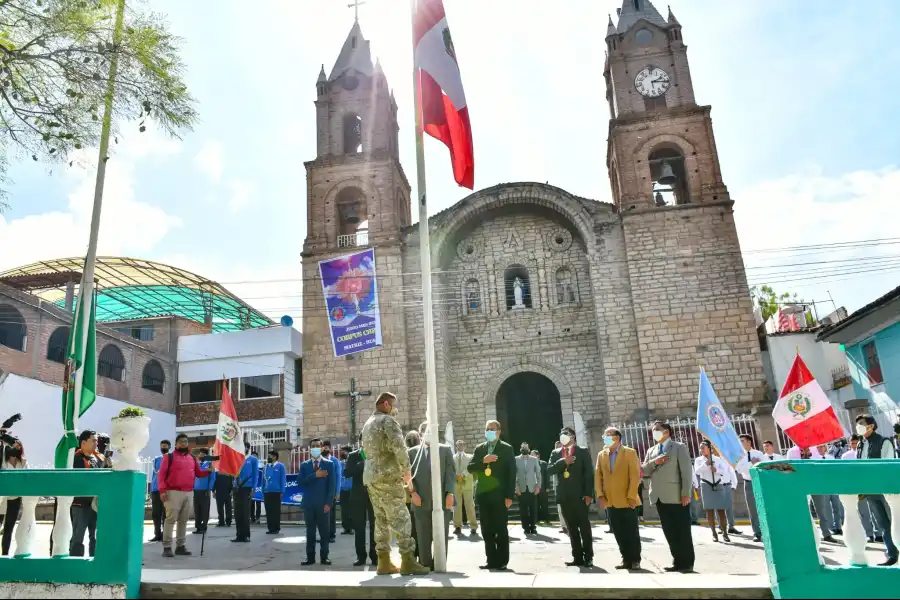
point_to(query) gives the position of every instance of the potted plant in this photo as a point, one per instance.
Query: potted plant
(130, 433)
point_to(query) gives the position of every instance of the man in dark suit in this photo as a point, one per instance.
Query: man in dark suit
(575, 492)
(361, 508)
(223, 486)
(494, 466)
(318, 478)
(543, 511)
(421, 497)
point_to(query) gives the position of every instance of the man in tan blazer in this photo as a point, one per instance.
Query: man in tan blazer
(616, 479)
(465, 488)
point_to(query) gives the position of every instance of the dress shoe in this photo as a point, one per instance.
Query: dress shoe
(575, 563)
(457, 531)
(672, 569)
(635, 566)
(889, 562)
(272, 532)
(325, 562)
(838, 532)
(725, 537)
(346, 532)
(485, 567)
(474, 531)
(182, 551)
(588, 563)
(221, 525)
(757, 538)
(623, 566)
(308, 562)
(240, 540)
(871, 539)
(879, 539)
(734, 531)
(503, 568)
(332, 540)
(155, 538)
(829, 539)
(360, 562)
(167, 553)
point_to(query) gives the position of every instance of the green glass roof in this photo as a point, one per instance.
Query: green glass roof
(131, 289)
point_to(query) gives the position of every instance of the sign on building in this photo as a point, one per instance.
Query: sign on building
(351, 299)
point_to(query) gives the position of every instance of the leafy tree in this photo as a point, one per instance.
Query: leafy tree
(769, 300)
(54, 66)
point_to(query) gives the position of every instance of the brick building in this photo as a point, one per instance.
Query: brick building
(616, 303)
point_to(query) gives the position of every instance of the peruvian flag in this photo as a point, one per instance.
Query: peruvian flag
(804, 412)
(445, 115)
(229, 440)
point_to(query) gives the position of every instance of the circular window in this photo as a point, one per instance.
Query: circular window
(470, 249)
(643, 37)
(559, 240)
(350, 83)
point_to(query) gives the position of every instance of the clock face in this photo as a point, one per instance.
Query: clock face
(652, 82)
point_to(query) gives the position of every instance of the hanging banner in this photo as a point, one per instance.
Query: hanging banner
(292, 495)
(351, 299)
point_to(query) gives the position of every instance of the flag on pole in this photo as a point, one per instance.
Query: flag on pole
(445, 114)
(229, 444)
(804, 412)
(713, 423)
(81, 360)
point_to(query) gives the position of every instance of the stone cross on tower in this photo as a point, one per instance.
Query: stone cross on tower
(354, 395)
(355, 6)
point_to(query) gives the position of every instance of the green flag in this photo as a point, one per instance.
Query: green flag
(83, 359)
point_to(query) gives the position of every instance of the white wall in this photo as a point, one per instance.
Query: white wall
(820, 357)
(41, 426)
(239, 344)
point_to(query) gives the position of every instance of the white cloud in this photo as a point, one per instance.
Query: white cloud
(210, 160)
(127, 225)
(242, 192)
(809, 208)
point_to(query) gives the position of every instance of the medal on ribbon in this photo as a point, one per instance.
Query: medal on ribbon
(487, 471)
(566, 474)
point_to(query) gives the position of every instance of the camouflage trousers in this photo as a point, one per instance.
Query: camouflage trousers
(391, 516)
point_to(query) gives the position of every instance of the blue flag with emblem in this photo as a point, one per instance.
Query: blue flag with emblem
(713, 423)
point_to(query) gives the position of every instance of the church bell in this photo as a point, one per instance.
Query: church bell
(350, 214)
(666, 175)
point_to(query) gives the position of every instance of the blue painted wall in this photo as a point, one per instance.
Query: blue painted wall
(887, 343)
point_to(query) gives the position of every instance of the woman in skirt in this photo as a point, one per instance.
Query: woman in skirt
(711, 471)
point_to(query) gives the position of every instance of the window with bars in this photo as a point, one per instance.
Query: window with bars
(58, 345)
(153, 378)
(111, 363)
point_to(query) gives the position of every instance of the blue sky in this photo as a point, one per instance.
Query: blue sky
(804, 109)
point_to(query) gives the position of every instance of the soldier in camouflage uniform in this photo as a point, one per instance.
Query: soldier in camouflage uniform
(385, 475)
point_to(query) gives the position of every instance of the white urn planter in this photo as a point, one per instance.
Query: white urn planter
(128, 437)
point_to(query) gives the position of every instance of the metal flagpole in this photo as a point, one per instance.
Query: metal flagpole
(437, 500)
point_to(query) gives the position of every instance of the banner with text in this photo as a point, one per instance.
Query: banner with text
(293, 493)
(351, 299)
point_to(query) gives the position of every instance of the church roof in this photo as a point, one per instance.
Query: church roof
(355, 55)
(610, 28)
(634, 10)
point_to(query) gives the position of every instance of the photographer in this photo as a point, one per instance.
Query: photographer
(103, 451)
(13, 457)
(84, 511)
(176, 489)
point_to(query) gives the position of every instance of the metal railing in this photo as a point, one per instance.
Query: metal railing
(353, 240)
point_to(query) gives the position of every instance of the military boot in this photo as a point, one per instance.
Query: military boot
(385, 566)
(409, 565)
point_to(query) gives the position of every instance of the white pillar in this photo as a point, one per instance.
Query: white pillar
(26, 531)
(854, 534)
(62, 531)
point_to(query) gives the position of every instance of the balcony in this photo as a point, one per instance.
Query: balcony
(360, 239)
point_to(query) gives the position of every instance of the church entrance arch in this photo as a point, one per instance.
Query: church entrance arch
(529, 409)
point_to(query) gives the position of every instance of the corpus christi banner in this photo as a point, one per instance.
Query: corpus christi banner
(351, 299)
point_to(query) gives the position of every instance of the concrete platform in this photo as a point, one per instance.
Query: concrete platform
(344, 584)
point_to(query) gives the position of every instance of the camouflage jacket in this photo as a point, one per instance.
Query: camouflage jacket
(386, 458)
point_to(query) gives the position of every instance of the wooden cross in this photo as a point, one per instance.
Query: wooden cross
(353, 395)
(355, 6)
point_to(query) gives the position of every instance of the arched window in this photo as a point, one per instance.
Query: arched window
(13, 333)
(111, 364)
(58, 345)
(517, 285)
(565, 287)
(153, 377)
(352, 134)
(353, 222)
(473, 296)
(667, 170)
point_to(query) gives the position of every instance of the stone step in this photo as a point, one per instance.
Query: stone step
(355, 584)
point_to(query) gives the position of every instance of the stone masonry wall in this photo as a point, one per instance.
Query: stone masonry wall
(691, 303)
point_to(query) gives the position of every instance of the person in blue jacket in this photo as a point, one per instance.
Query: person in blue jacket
(203, 487)
(159, 509)
(318, 478)
(244, 484)
(274, 484)
(339, 470)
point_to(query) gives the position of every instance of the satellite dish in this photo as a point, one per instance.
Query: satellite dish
(287, 321)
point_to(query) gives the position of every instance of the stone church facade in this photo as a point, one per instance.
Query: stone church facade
(619, 302)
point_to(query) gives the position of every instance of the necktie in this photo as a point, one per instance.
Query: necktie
(748, 456)
(315, 465)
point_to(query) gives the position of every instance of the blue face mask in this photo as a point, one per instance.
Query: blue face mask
(315, 452)
(490, 435)
(608, 440)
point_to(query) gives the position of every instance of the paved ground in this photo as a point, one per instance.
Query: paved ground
(540, 554)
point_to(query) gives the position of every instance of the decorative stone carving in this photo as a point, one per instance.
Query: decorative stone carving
(558, 240)
(513, 242)
(470, 249)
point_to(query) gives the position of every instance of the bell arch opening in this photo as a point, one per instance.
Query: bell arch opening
(529, 409)
(669, 176)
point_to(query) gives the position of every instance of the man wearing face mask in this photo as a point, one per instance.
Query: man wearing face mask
(528, 485)
(158, 509)
(176, 489)
(616, 479)
(875, 446)
(669, 468)
(494, 466)
(386, 474)
(421, 497)
(319, 481)
(274, 484)
(571, 463)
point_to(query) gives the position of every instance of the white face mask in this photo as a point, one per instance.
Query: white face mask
(861, 429)
(564, 439)
(657, 435)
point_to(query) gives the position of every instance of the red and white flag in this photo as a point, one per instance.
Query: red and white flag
(804, 412)
(229, 439)
(445, 115)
